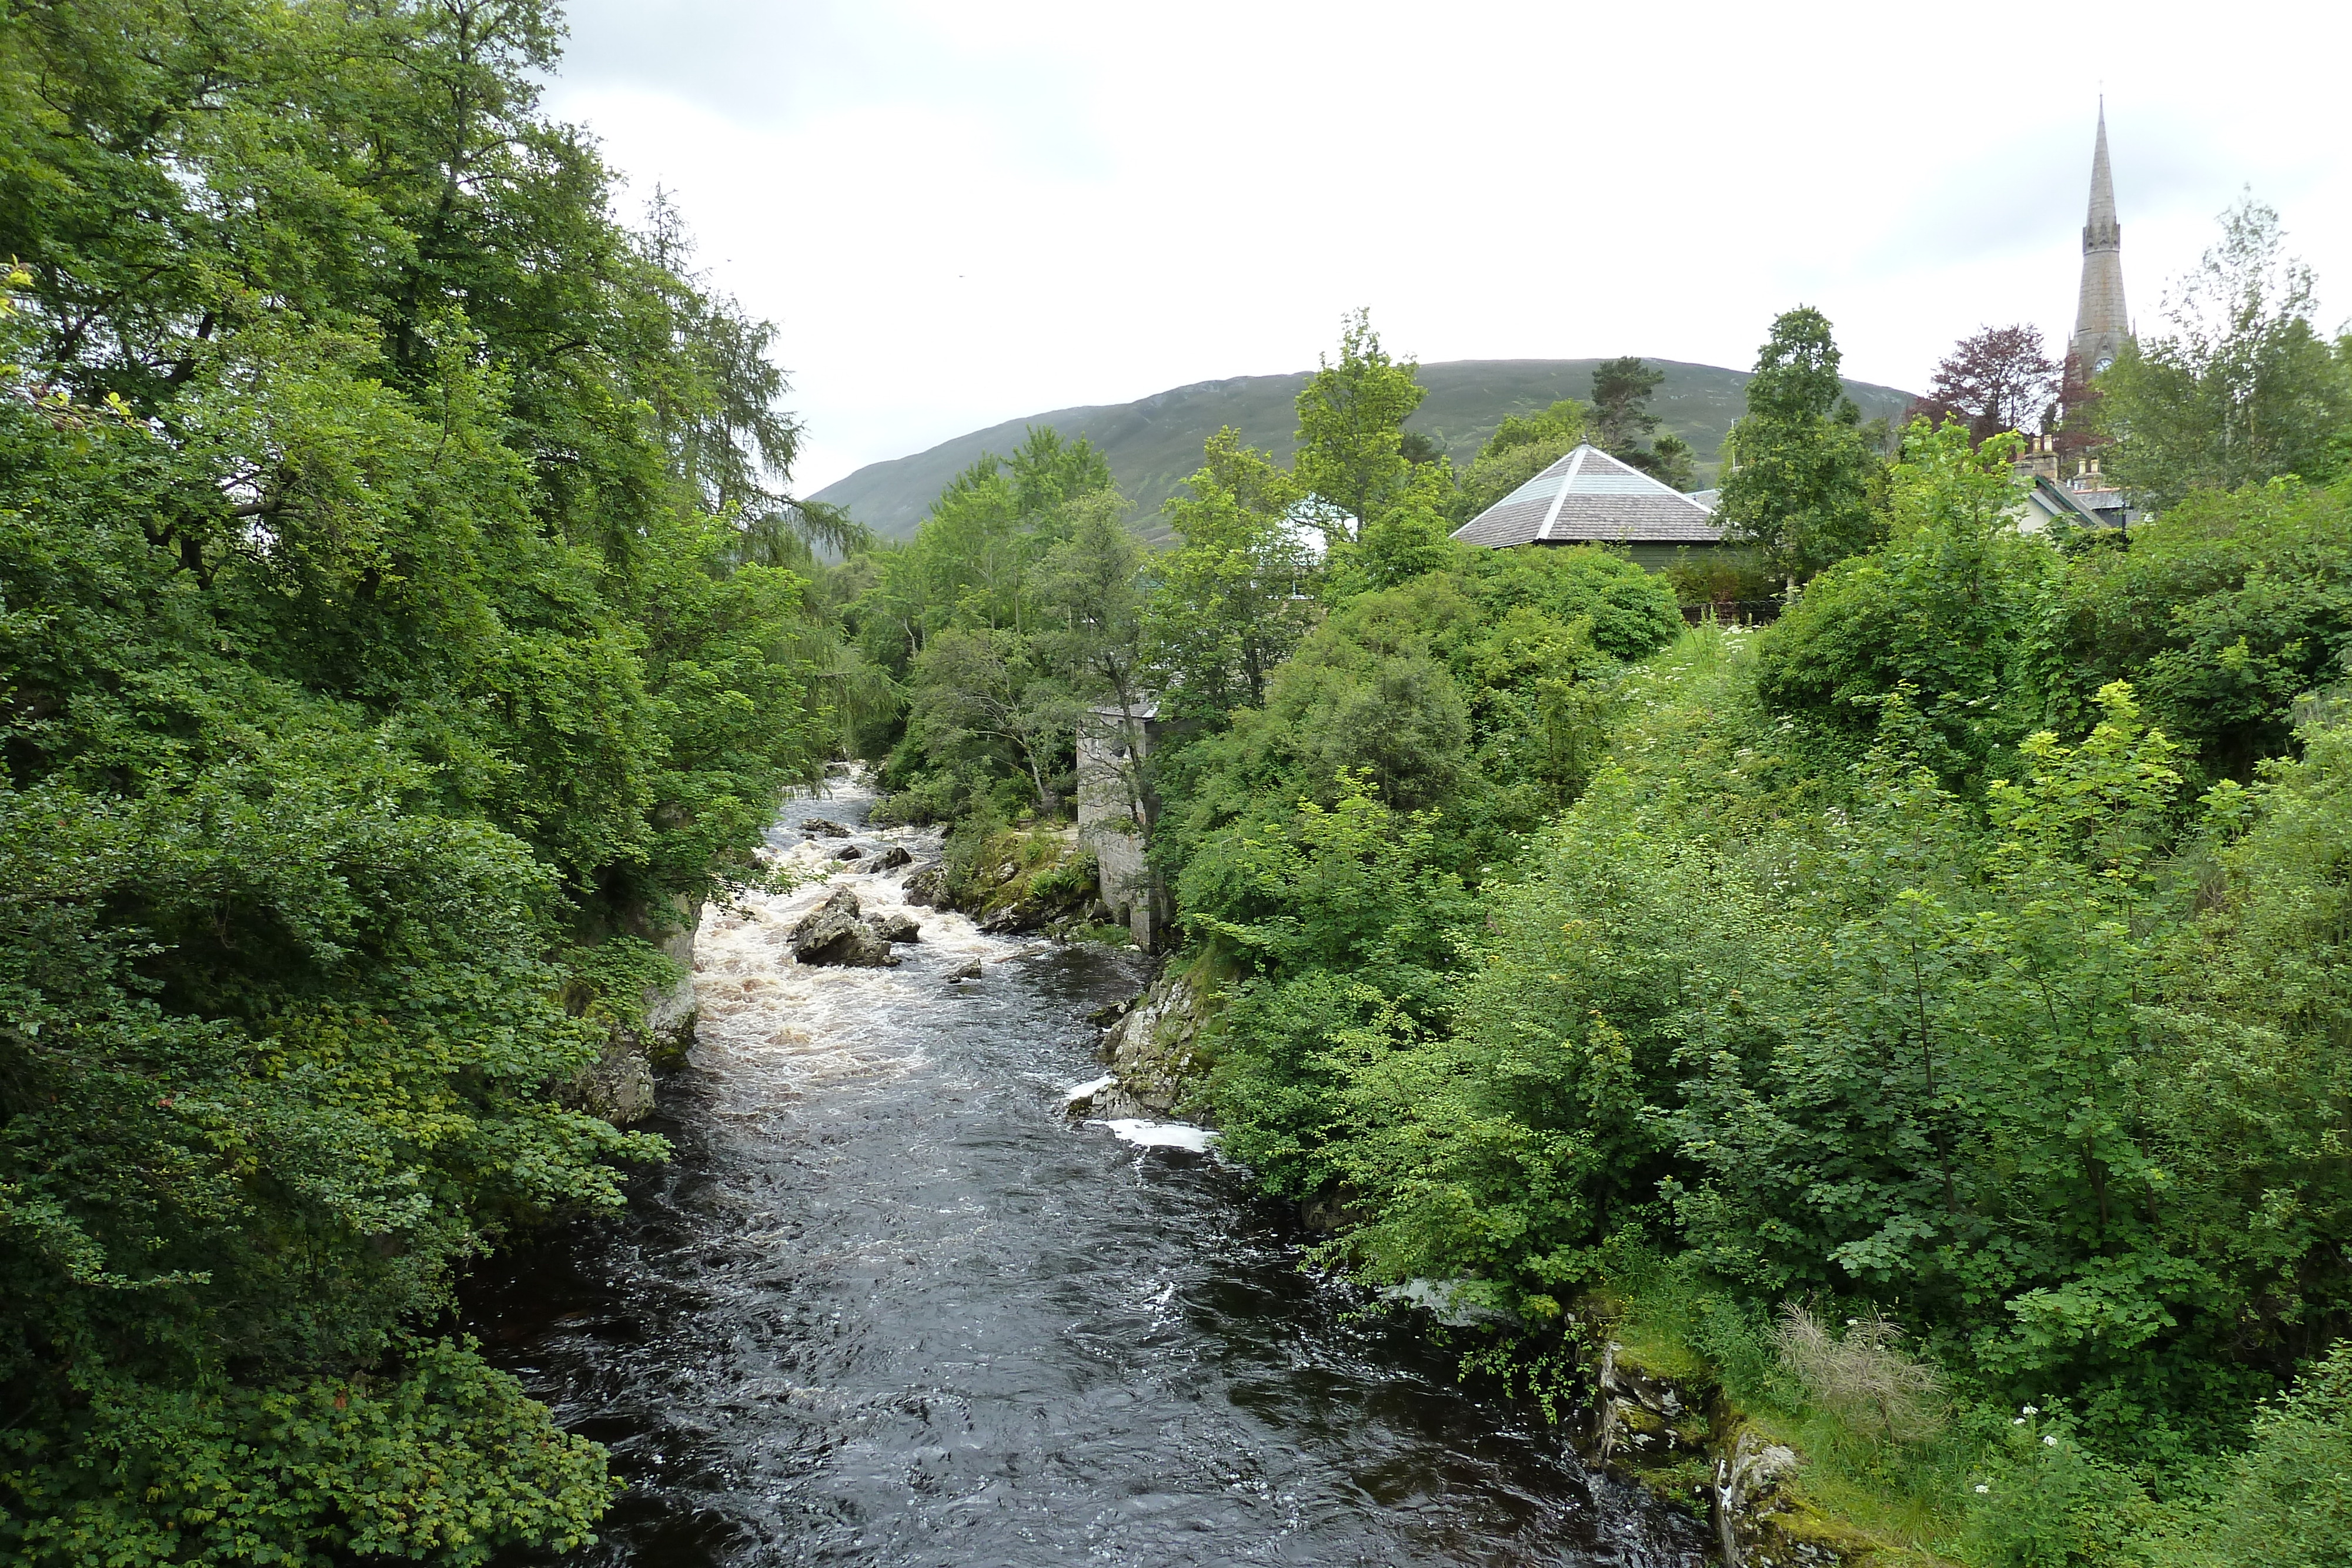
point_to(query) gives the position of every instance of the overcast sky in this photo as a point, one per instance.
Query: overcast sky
(958, 213)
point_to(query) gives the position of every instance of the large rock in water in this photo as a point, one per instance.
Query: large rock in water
(833, 933)
(895, 925)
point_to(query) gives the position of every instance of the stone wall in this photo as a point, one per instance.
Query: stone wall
(1114, 820)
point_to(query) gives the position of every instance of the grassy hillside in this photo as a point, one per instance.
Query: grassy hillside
(1154, 441)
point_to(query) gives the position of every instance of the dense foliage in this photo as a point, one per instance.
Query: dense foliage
(1963, 949)
(398, 626)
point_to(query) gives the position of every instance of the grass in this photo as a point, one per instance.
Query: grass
(1905, 1503)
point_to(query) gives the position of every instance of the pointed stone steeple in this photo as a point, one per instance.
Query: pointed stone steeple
(2101, 321)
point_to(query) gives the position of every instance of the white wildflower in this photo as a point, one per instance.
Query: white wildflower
(1982, 1489)
(2049, 1442)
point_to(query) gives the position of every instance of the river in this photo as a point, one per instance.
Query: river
(890, 1305)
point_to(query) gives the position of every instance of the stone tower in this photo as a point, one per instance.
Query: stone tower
(2101, 322)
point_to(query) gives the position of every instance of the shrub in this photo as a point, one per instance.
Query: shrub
(1861, 1375)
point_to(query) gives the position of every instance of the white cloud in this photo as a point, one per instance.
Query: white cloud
(960, 214)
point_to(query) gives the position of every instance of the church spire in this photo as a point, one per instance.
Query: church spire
(2101, 321)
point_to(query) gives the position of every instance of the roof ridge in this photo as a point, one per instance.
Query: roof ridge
(1630, 472)
(1575, 465)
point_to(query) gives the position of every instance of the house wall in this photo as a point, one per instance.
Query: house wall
(1649, 557)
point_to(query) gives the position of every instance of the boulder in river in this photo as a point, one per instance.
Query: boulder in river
(969, 970)
(927, 889)
(890, 857)
(833, 933)
(895, 925)
(824, 827)
(849, 852)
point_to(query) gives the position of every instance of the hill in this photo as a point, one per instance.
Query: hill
(1154, 443)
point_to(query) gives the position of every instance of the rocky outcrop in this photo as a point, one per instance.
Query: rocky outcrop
(1649, 1416)
(1682, 1438)
(1019, 880)
(1740, 1504)
(834, 932)
(1154, 1049)
(651, 1030)
(1044, 883)
(824, 827)
(618, 1086)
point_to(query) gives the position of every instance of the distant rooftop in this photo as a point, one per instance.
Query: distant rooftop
(1589, 498)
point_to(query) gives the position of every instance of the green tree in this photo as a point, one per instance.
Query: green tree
(2242, 388)
(1623, 426)
(1670, 462)
(1234, 596)
(1336, 915)
(1946, 611)
(1801, 473)
(2287, 1501)
(980, 692)
(2225, 612)
(397, 594)
(1622, 420)
(1000, 536)
(1352, 469)
(1092, 592)
(1411, 538)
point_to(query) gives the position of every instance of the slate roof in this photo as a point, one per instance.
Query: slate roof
(1589, 498)
(2045, 502)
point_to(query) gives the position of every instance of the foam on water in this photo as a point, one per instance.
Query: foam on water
(1146, 1135)
(775, 1026)
(1088, 1090)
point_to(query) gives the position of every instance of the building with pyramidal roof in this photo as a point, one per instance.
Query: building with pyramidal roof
(1588, 498)
(2102, 321)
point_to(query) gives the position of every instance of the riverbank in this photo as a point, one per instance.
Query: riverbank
(1677, 1388)
(1691, 1399)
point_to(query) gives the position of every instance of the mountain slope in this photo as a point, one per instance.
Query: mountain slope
(1154, 443)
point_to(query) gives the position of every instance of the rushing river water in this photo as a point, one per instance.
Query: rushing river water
(890, 1305)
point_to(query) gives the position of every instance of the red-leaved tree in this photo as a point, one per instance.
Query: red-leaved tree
(2000, 378)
